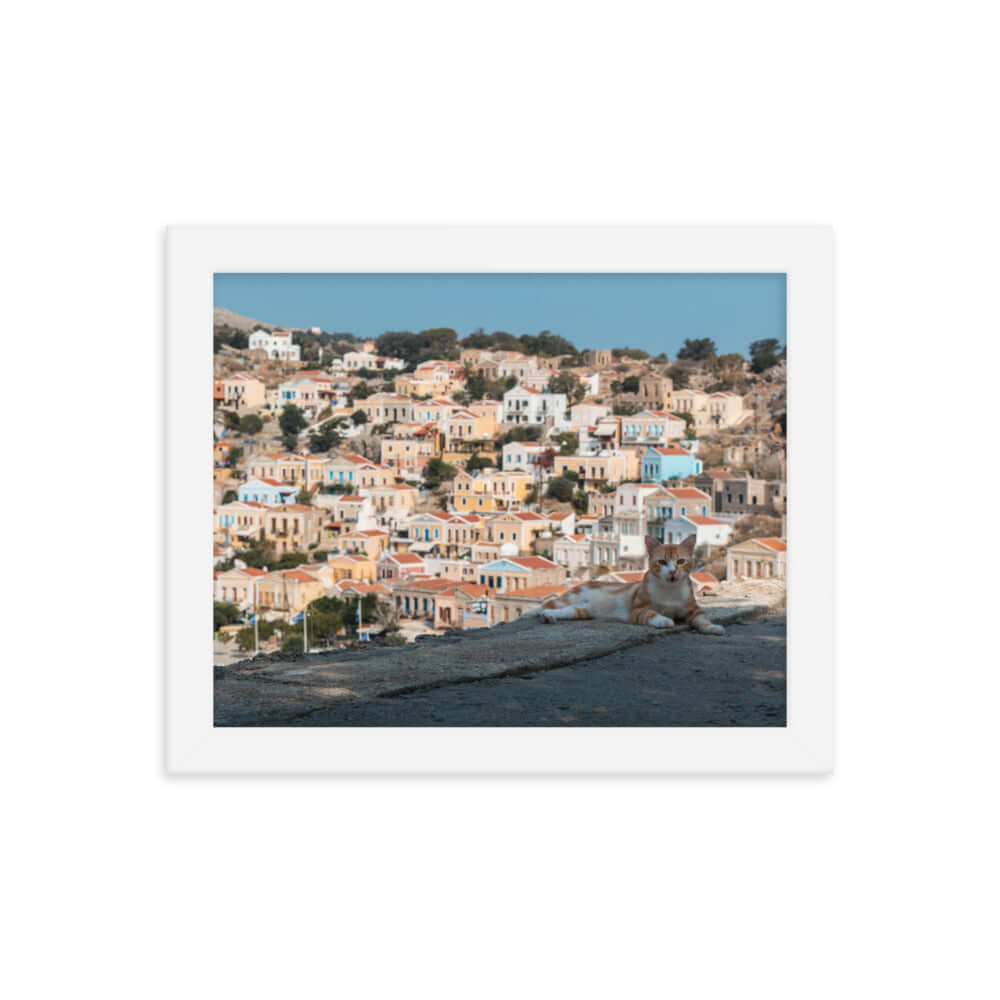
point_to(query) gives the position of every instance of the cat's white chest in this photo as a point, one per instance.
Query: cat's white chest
(671, 598)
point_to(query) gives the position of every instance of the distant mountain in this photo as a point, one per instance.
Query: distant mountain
(225, 317)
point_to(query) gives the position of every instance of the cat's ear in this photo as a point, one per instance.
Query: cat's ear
(688, 544)
(652, 544)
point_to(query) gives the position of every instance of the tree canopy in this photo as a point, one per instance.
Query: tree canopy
(327, 436)
(700, 349)
(413, 348)
(560, 488)
(765, 354)
(250, 423)
(292, 420)
(564, 383)
(436, 471)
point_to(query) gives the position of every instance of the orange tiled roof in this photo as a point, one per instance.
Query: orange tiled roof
(698, 519)
(688, 493)
(772, 543)
(405, 557)
(534, 562)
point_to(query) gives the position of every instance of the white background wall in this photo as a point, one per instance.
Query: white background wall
(120, 882)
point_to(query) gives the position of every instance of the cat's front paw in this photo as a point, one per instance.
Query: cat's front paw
(661, 621)
(714, 630)
(547, 617)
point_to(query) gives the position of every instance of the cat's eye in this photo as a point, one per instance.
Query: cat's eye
(682, 562)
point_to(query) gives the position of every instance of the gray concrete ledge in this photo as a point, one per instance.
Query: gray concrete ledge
(282, 693)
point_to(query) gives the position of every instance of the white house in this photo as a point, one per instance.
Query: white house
(522, 456)
(354, 360)
(532, 406)
(585, 414)
(277, 346)
(572, 552)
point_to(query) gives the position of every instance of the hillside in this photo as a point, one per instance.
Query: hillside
(225, 317)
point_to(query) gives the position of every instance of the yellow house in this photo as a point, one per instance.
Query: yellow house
(611, 467)
(239, 523)
(433, 411)
(757, 558)
(243, 392)
(236, 586)
(409, 453)
(293, 527)
(490, 492)
(351, 567)
(491, 411)
(367, 542)
(387, 408)
(391, 502)
(297, 470)
(519, 527)
(287, 592)
(469, 425)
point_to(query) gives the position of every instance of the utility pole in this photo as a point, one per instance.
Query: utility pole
(305, 630)
(256, 618)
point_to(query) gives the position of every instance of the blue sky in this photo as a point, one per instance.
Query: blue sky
(653, 311)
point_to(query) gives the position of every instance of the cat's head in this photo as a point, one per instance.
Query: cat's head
(670, 563)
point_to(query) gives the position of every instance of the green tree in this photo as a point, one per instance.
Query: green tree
(358, 417)
(688, 419)
(568, 442)
(232, 421)
(580, 501)
(564, 383)
(630, 352)
(477, 461)
(679, 376)
(251, 424)
(234, 457)
(546, 343)
(700, 349)
(521, 432)
(292, 642)
(289, 560)
(560, 488)
(225, 613)
(631, 384)
(436, 471)
(361, 391)
(230, 496)
(290, 442)
(764, 354)
(326, 436)
(292, 420)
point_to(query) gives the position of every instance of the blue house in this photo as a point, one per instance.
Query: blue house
(267, 491)
(660, 464)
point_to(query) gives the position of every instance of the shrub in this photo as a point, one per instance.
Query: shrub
(560, 488)
(251, 424)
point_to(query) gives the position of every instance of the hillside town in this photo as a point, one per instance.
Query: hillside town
(417, 483)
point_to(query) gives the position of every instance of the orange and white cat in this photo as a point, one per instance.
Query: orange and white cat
(662, 598)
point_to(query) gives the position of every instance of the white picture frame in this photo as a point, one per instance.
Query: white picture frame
(194, 254)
